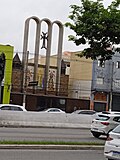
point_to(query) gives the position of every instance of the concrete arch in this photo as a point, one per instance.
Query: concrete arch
(25, 48)
(59, 53)
(48, 50)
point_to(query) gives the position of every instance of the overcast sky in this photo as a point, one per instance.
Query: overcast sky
(13, 14)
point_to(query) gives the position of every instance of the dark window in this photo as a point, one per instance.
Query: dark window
(12, 108)
(63, 67)
(16, 108)
(118, 64)
(87, 112)
(117, 119)
(102, 117)
(5, 108)
(54, 110)
(101, 64)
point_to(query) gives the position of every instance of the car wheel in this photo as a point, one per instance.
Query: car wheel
(110, 159)
(95, 134)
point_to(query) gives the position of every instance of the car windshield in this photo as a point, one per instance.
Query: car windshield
(53, 110)
(117, 129)
(16, 108)
(102, 117)
(87, 112)
(5, 108)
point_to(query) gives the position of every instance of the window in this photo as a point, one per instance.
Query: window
(5, 108)
(117, 119)
(100, 80)
(63, 67)
(102, 117)
(16, 108)
(87, 112)
(117, 129)
(62, 101)
(118, 64)
(117, 82)
(101, 64)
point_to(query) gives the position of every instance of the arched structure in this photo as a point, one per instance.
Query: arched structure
(48, 50)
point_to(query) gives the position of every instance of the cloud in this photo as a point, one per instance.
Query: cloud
(15, 12)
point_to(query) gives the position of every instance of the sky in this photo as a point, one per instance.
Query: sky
(13, 14)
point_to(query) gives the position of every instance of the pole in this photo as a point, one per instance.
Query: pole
(0, 93)
(111, 89)
(25, 78)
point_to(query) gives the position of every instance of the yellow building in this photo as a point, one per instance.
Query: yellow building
(51, 86)
(78, 69)
(80, 77)
(75, 83)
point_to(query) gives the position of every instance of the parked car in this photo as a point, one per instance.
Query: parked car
(112, 145)
(12, 107)
(104, 122)
(53, 110)
(88, 112)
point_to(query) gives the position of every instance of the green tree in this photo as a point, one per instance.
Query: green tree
(97, 26)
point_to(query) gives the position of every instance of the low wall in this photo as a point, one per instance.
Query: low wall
(41, 119)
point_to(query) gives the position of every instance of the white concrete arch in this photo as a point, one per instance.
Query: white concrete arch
(48, 50)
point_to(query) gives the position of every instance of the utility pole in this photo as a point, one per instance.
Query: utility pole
(2, 68)
(25, 78)
(111, 88)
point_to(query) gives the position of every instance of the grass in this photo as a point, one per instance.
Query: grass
(48, 143)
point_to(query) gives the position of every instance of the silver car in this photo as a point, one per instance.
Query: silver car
(112, 145)
(104, 123)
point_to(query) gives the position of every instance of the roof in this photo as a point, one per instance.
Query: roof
(16, 59)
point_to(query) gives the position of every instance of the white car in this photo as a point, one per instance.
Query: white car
(112, 145)
(104, 122)
(12, 107)
(53, 110)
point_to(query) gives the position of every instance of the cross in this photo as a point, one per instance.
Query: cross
(44, 36)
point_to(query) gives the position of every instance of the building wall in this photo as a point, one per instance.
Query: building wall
(79, 72)
(40, 102)
(110, 74)
(51, 86)
(53, 59)
(116, 73)
(16, 80)
(80, 77)
(102, 73)
(35, 96)
(109, 87)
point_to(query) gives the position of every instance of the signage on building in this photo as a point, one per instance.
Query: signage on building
(33, 83)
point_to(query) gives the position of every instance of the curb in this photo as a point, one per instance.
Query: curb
(55, 125)
(54, 147)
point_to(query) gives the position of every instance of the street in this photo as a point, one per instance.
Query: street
(48, 134)
(51, 155)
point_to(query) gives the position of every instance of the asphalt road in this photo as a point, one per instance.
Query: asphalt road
(51, 155)
(48, 134)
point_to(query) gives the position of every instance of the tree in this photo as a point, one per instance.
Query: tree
(97, 26)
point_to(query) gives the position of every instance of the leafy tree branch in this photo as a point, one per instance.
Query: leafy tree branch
(97, 26)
